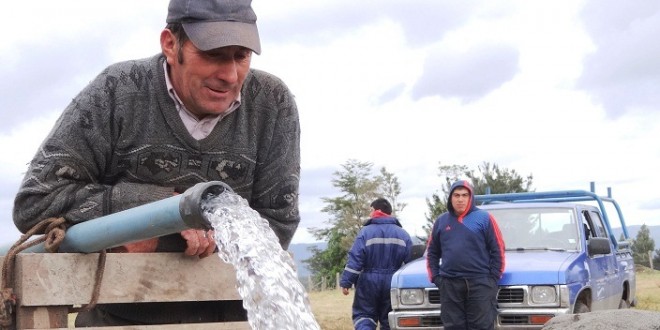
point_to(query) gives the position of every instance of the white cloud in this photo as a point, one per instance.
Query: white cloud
(623, 70)
(353, 68)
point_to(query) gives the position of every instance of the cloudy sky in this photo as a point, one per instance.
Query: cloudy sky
(564, 90)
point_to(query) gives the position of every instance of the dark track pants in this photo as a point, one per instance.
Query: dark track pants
(372, 301)
(468, 304)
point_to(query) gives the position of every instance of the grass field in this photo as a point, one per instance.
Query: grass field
(648, 289)
(332, 309)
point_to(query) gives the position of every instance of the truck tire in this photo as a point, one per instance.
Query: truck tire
(581, 307)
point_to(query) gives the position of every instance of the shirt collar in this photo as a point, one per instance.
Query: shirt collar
(181, 107)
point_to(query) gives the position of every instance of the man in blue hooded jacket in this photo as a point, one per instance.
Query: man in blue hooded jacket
(379, 250)
(470, 244)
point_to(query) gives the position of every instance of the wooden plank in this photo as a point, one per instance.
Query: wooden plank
(42, 317)
(44, 279)
(188, 326)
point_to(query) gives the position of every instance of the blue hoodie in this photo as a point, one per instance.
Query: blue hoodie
(470, 244)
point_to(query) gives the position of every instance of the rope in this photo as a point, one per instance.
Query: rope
(98, 278)
(54, 241)
(55, 230)
(7, 307)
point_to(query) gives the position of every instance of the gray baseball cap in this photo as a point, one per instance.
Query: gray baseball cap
(217, 23)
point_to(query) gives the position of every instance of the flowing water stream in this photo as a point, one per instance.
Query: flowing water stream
(266, 277)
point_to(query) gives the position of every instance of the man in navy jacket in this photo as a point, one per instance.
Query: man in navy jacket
(379, 250)
(470, 244)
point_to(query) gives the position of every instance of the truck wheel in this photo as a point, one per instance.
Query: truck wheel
(624, 304)
(581, 307)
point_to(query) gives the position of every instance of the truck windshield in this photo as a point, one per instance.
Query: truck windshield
(538, 228)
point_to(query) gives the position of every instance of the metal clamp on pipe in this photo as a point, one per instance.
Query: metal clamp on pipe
(164, 217)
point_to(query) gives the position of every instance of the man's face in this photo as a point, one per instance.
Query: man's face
(207, 82)
(460, 199)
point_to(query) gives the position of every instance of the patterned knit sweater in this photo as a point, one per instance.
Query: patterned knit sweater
(121, 143)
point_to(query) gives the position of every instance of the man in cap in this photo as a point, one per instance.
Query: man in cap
(470, 244)
(146, 129)
(381, 247)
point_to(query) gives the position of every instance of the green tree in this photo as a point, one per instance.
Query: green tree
(359, 186)
(656, 260)
(641, 245)
(487, 177)
(390, 188)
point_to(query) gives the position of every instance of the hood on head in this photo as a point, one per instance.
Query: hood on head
(464, 184)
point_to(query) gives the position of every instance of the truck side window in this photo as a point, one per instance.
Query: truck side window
(598, 222)
(588, 226)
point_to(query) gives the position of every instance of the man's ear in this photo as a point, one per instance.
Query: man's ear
(168, 46)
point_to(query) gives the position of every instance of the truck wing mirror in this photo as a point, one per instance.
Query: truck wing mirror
(598, 245)
(417, 251)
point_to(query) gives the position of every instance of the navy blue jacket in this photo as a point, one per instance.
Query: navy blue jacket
(382, 246)
(470, 244)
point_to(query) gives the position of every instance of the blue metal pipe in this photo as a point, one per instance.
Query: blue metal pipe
(164, 217)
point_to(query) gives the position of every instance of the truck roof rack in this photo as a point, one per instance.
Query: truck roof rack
(562, 196)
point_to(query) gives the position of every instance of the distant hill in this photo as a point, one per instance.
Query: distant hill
(301, 252)
(654, 233)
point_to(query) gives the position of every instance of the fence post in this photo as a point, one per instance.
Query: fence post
(323, 283)
(651, 259)
(337, 278)
(310, 285)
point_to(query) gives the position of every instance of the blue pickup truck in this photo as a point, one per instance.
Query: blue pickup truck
(561, 257)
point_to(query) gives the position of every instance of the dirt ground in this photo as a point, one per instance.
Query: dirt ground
(629, 319)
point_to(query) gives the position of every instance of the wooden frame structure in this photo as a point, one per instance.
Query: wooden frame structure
(47, 285)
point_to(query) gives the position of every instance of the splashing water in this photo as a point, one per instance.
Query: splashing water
(266, 277)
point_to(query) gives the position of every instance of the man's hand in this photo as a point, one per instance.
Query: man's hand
(437, 280)
(199, 242)
(344, 291)
(145, 246)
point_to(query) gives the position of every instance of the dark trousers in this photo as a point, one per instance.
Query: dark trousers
(372, 301)
(468, 304)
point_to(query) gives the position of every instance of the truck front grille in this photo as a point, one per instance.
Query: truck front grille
(434, 296)
(504, 296)
(514, 319)
(510, 295)
(431, 321)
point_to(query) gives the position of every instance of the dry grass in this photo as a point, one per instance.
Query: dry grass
(332, 309)
(648, 289)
